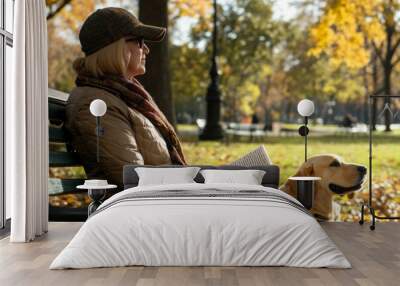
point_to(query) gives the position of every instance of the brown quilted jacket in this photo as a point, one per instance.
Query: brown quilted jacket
(129, 137)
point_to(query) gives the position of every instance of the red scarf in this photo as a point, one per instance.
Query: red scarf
(136, 97)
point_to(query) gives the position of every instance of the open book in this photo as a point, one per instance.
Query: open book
(257, 157)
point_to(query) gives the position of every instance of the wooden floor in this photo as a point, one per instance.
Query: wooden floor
(375, 256)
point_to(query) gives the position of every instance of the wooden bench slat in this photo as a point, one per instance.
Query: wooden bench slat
(57, 103)
(67, 214)
(57, 134)
(64, 159)
(64, 186)
(56, 109)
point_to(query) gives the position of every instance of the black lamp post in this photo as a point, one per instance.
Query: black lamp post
(213, 129)
(98, 108)
(305, 108)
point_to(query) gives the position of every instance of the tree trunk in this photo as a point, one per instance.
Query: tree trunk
(374, 89)
(387, 85)
(387, 68)
(367, 93)
(288, 112)
(53, 11)
(157, 78)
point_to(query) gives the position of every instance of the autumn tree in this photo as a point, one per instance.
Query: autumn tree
(61, 74)
(164, 13)
(55, 6)
(64, 19)
(245, 39)
(157, 77)
(189, 79)
(353, 32)
(263, 64)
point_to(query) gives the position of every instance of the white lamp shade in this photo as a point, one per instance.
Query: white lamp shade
(98, 107)
(305, 107)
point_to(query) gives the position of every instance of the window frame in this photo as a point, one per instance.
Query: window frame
(6, 39)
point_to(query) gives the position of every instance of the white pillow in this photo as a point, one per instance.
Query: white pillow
(248, 177)
(164, 176)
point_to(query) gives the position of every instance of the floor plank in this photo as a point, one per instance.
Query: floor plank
(374, 255)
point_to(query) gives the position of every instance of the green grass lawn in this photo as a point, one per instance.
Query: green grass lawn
(288, 154)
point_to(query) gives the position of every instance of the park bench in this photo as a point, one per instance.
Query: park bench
(234, 131)
(356, 130)
(62, 155)
(284, 131)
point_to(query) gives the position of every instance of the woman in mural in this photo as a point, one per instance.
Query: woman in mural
(136, 131)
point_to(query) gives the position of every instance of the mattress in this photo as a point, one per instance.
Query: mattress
(201, 225)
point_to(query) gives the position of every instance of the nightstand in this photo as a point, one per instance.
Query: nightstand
(305, 190)
(97, 191)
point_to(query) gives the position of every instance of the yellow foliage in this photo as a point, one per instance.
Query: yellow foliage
(51, 2)
(200, 10)
(191, 8)
(266, 70)
(76, 12)
(248, 96)
(344, 28)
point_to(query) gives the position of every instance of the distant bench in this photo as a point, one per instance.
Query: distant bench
(355, 130)
(233, 131)
(62, 155)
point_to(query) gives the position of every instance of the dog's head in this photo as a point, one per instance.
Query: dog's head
(336, 175)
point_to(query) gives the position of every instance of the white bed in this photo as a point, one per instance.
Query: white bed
(250, 225)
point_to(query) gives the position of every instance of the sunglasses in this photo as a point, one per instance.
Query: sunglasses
(140, 41)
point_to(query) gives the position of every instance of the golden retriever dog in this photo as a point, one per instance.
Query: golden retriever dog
(337, 177)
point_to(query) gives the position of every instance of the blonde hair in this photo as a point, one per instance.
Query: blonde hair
(111, 59)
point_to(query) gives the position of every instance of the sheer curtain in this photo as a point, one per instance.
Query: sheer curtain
(27, 124)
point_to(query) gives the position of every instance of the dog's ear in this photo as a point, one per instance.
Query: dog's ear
(306, 169)
(291, 188)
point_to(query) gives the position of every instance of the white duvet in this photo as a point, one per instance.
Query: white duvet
(188, 231)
